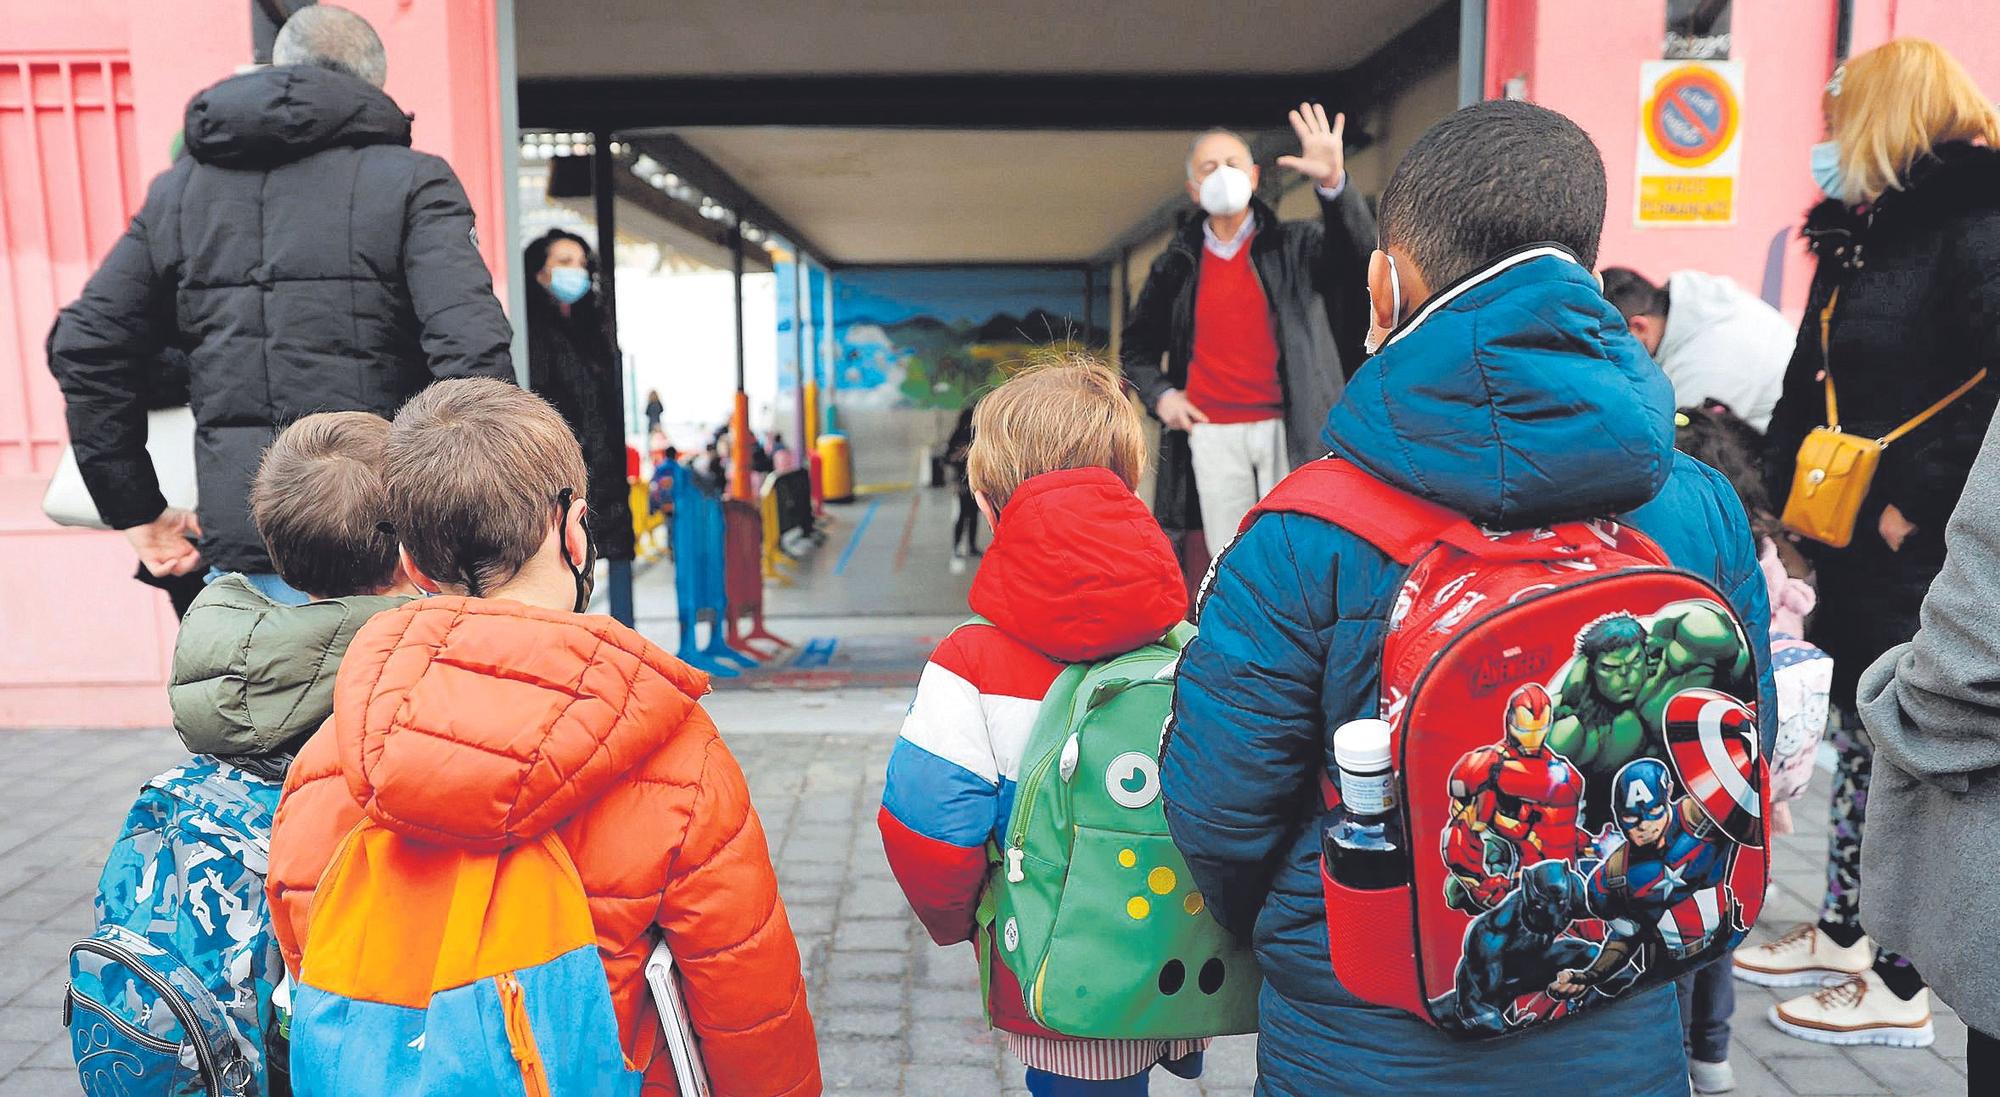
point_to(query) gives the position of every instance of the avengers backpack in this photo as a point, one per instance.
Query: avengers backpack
(1094, 909)
(171, 996)
(1579, 773)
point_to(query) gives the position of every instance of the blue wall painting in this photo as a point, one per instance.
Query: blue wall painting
(929, 337)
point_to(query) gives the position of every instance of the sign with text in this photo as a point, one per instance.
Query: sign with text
(1690, 121)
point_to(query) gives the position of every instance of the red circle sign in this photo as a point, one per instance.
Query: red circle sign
(1691, 117)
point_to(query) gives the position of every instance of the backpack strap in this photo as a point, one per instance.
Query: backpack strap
(1403, 526)
(1334, 490)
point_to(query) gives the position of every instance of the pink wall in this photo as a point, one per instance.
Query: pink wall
(91, 94)
(1582, 57)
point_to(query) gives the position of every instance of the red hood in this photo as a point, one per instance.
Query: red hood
(1079, 570)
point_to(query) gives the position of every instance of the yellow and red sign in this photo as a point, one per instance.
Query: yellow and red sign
(1689, 156)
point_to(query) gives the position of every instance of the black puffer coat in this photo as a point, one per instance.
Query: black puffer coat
(1919, 313)
(307, 260)
(1315, 276)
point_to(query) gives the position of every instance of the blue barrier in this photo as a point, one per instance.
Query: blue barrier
(699, 577)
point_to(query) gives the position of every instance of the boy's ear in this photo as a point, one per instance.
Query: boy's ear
(575, 539)
(1381, 292)
(407, 570)
(986, 509)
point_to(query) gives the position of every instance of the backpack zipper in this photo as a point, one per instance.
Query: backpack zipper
(72, 1001)
(1017, 825)
(521, 1035)
(211, 1075)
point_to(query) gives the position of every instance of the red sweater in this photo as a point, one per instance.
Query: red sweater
(1233, 376)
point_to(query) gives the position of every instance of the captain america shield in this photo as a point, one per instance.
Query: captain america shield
(1712, 744)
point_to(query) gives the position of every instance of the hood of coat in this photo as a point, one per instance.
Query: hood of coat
(252, 676)
(1957, 178)
(273, 116)
(481, 722)
(1079, 570)
(1517, 397)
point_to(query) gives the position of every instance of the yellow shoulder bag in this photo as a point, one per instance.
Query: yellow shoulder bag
(1836, 469)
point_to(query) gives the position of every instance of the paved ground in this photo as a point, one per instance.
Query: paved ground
(896, 1015)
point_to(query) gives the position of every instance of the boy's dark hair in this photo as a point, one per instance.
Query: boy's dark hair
(319, 503)
(1715, 436)
(1489, 179)
(1630, 293)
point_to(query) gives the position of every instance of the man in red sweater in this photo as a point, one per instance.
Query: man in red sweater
(1238, 341)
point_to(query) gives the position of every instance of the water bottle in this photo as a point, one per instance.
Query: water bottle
(1363, 841)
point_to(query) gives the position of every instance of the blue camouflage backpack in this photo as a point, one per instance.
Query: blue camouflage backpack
(171, 997)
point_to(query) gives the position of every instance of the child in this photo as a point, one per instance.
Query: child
(252, 679)
(495, 713)
(1715, 436)
(1077, 571)
(1507, 389)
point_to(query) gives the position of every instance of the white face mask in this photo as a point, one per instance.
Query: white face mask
(1226, 191)
(1373, 342)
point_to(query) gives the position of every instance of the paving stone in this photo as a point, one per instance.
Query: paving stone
(965, 1040)
(862, 1022)
(1920, 1070)
(955, 1081)
(948, 1004)
(855, 992)
(848, 1063)
(1828, 1072)
(842, 966)
(873, 935)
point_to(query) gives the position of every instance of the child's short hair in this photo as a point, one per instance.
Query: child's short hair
(1491, 178)
(1066, 413)
(1717, 437)
(476, 468)
(319, 503)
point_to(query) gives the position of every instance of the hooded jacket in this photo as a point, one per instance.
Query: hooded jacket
(1314, 275)
(253, 678)
(1723, 343)
(1078, 571)
(1919, 314)
(485, 723)
(306, 259)
(1518, 398)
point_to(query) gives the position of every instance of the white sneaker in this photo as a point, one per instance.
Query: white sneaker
(1859, 1009)
(1711, 1077)
(1801, 958)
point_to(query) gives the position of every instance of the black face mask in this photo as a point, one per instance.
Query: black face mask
(586, 575)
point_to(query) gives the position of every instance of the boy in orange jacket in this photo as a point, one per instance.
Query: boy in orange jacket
(497, 712)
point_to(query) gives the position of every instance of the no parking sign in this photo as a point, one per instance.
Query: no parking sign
(1690, 119)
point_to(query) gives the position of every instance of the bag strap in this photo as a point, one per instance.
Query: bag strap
(1403, 526)
(1833, 404)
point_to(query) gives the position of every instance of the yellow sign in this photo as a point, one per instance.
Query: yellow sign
(1686, 200)
(1690, 152)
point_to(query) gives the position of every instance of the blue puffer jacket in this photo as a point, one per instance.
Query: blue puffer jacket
(1518, 398)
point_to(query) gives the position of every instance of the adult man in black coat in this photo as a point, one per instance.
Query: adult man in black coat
(1254, 345)
(305, 258)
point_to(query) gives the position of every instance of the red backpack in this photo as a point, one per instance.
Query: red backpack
(1574, 727)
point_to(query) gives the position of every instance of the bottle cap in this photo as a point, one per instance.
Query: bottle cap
(1362, 746)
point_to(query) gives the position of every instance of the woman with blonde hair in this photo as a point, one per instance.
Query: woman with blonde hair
(1901, 326)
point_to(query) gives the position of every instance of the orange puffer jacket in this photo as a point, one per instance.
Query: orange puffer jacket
(483, 723)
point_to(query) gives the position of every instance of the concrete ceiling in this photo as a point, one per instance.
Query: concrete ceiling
(965, 196)
(725, 38)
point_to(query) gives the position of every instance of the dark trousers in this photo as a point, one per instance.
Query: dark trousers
(1982, 1064)
(1708, 999)
(965, 531)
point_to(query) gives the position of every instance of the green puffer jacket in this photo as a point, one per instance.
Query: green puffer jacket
(253, 678)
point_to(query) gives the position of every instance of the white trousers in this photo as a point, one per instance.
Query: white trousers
(1234, 465)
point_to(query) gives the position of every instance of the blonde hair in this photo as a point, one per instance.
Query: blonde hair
(475, 471)
(1895, 104)
(1065, 413)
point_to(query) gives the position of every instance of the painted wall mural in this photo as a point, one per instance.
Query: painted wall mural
(929, 337)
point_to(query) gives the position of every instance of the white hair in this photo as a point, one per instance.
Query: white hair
(1204, 135)
(332, 38)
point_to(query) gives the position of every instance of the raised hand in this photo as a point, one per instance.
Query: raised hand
(1321, 158)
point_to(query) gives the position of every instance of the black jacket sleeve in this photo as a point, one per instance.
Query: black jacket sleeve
(1149, 328)
(1801, 407)
(1346, 240)
(1924, 474)
(100, 350)
(465, 334)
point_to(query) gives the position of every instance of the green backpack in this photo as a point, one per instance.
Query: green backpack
(1093, 908)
